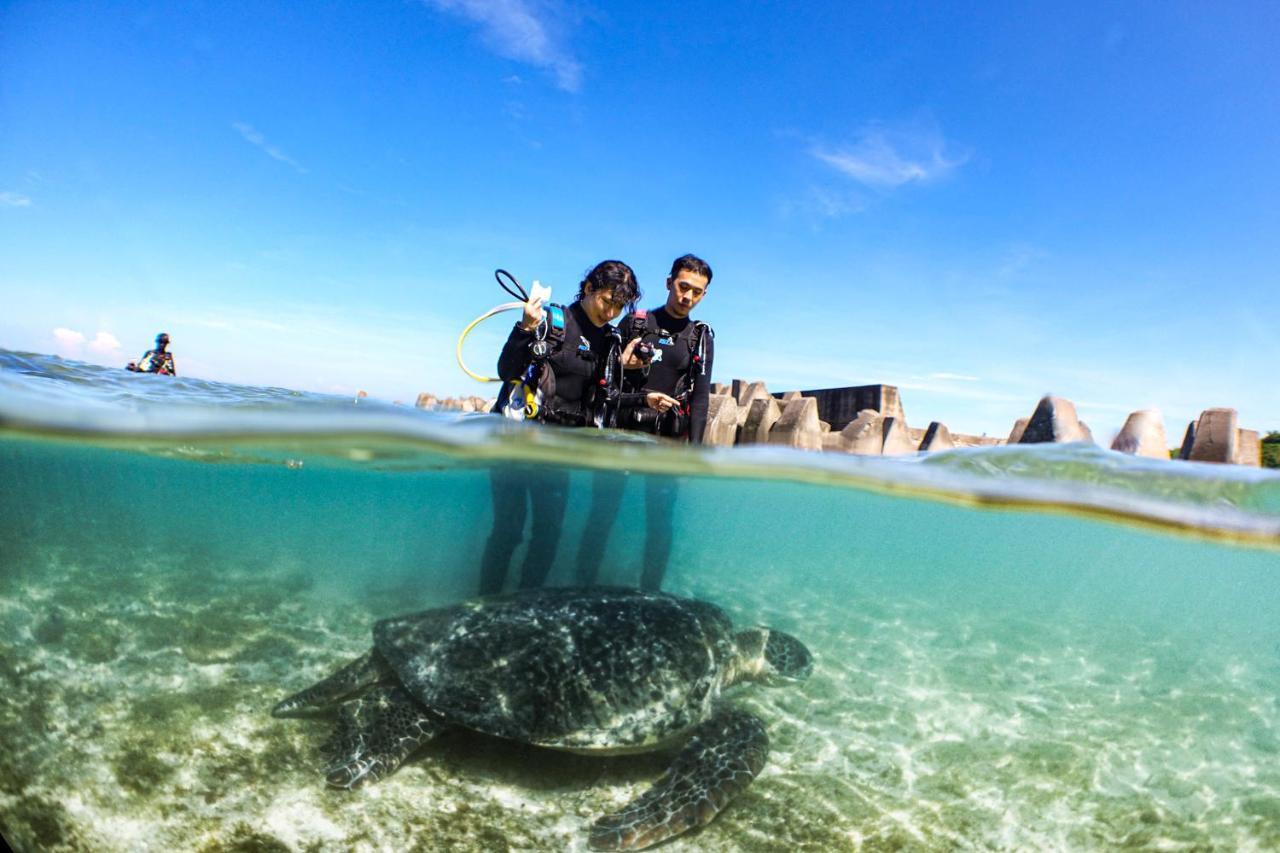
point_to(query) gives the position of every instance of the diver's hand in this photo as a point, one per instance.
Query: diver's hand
(532, 314)
(661, 402)
(629, 361)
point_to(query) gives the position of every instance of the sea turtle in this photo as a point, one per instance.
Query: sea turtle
(587, 670)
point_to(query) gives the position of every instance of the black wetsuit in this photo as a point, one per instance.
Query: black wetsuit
(676, 343)
(577, 367)
(157, 361)
(674, 372)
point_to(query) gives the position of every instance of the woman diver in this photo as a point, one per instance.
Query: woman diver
(562, 366)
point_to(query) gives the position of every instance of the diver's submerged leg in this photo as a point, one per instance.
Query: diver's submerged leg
(659, 510)
(507, 485)
(721, 758)
(362, 672)
(549, 494)
(374, 735)
(606, 497)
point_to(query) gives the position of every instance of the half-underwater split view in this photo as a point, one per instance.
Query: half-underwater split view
(548, 425)
(965, 650)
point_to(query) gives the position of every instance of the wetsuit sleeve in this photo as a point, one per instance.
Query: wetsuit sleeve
(700, 399)
(514, 357)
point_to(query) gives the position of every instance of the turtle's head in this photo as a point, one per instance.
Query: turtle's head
(767, 654)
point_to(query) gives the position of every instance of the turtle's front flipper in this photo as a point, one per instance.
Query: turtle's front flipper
(362, 672)
(374, 735)
(721, 758)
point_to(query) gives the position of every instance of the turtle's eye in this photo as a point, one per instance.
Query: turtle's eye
(787, 656)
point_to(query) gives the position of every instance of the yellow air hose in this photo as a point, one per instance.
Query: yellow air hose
(506, 306)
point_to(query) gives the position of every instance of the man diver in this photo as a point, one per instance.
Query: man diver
(572, 359)
(666, 391)
(158, 360)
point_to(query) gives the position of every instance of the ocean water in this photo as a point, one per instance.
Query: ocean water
(1048, 647)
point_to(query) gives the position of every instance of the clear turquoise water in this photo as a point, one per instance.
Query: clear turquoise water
(1018, 648)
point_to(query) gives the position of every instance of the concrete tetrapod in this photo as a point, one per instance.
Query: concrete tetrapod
(798, 426)
(1143, 435)
(1054, 420)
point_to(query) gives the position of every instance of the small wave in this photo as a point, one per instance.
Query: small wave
(48, 398)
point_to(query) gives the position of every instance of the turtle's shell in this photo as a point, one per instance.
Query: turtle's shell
(593, 669)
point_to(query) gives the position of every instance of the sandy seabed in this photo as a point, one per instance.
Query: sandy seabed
(134, 716)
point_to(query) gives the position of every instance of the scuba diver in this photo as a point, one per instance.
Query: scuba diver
(158, 360)
(560, 365)
(666, 392)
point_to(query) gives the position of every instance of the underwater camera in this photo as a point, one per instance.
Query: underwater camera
(644, 351)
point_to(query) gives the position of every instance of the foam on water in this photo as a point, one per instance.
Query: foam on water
(178, 556)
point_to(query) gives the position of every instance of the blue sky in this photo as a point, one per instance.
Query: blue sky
(980, 203)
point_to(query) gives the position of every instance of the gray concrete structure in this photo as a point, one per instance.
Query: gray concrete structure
(745, 392)
(1188, 441)
(896, 438)
(1143, 435)
(840, 406)
(722, 421)
(864, 435)
(798, 426)
(937, 437)
(1054, 420)
(1217, 436)
(762, 414)
(1248, 448)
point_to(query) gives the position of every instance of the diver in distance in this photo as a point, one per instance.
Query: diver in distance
(158, 360)
(666, 391)
(562, 365)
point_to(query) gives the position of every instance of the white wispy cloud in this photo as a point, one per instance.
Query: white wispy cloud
(68, 342)
(886, 158)
(953, 377)
(523, 30)
(105, 343)
(8, 199)
(253, 137)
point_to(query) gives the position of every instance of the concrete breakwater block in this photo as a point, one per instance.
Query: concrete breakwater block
(745, 392)
(896, 438)
(1248, 448)
(937, 437)
(840, 406)
(1188, 441)
(722, 421)
(762, 414)
(1217, 436)
(1054, 420)
(864, 435)
(798, 426)
(1143, 435)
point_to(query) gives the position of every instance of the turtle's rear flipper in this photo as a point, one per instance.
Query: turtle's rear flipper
(721, 758)
(362, 672)
(374, 735)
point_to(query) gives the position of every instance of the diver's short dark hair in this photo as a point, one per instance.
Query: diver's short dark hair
(615, 276)
(693, 264)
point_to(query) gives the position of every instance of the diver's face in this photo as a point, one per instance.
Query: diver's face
(684, 291)
(602, 307)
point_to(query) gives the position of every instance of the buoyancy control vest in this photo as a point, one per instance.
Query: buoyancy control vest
(534, 395)
(635, 413)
